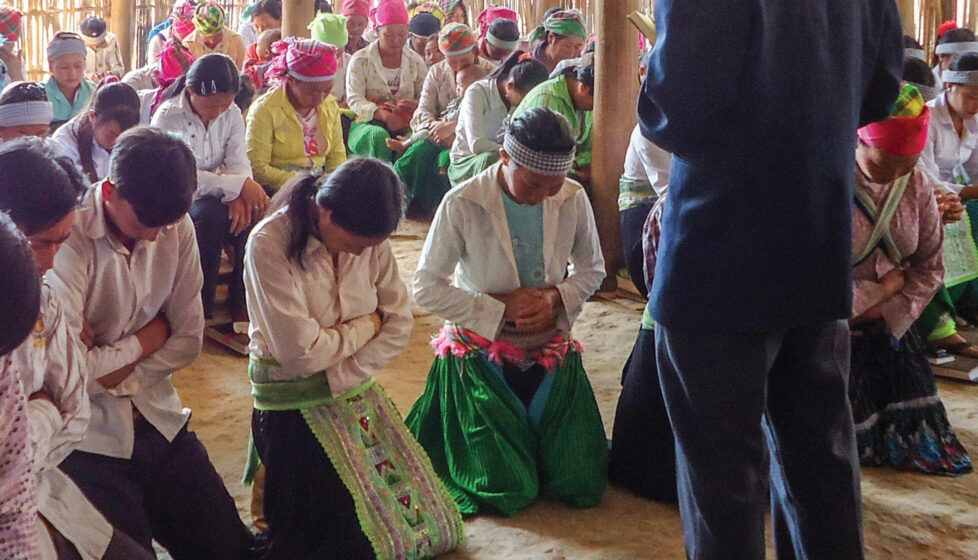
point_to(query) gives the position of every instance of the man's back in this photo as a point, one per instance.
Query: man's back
(759, 101)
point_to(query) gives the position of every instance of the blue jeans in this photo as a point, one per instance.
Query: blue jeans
(730, 394)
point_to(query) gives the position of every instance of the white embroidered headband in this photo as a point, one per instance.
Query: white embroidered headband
(497, 42)
(26, 113)
(957, 48)
(919, 54)
(960, 77)
(65, 45)
(544, 163)
(928, 92)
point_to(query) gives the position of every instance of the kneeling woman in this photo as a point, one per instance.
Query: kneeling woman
(898, 266)
(508, 412)
(343, 476)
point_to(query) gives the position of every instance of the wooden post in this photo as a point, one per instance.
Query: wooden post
(909, 17)
(615, 96)
(122, 15)
(296, 16)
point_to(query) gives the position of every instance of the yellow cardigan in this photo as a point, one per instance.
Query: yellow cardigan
(275, 142)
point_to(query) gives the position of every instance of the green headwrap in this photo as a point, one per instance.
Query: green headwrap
(566, 22)
(209, 19)
(330, 29)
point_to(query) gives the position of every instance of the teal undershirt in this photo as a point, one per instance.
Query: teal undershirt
(526, 232)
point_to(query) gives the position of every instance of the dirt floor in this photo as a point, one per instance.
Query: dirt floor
(906, 516)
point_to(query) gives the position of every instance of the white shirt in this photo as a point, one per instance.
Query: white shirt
(52, 360)
(141, 78)
(366, 79)
(106, 60)
(220, 148)
(315, 318)
(339, 79)
(146, 99)
(248, 33)
(119, 292)
(946, 153)
(470, 239)
(480, 121)
(66, 140)
(645, 161)
(438, 91)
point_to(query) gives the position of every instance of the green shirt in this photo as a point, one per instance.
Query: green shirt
(554, 94)
(63, 109)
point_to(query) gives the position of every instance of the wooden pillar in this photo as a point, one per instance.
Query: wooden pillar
(615, 96)
(296, 16)
(908, 12)
(122, 17)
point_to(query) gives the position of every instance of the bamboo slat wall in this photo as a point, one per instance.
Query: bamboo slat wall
(43, 18)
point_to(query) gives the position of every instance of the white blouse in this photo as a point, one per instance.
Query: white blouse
(480, 121)
(468, 255)
(438, 91)
(646, 161)
(947, 154)
(220, 148)
(314, 317)
(366, 80)
(66, 141)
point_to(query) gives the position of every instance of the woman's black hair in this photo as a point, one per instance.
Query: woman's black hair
(542, 130)
(92, 26)
(965, 63)
(116, 102)
(246, 94)
(210, 74)
(911, 43)
(23, 91)
(323, 7)
(585, 75)
(918, 72)
(957, 35)
(20, 287)
(526, 74)
(37, 188)
(270, 7)
(365, 195)
(504, 29)
(155, 172)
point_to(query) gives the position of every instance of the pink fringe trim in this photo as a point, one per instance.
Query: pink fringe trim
(463, 342)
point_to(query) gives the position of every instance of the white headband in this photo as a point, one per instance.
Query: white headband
(454, 53)
(66, 45)
(957, 48)
(919, 54)
(960, 77)
(929, 92)
(93, 40)
(302, 78)
(26, 113)
(497, 42)
(551, 164)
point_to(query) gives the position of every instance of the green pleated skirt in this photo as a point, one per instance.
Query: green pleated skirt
(420, 169)
(492, 452)
(369, 140)
(467, 167)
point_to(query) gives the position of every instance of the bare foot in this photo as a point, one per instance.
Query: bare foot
(396, 145)
(957, 345)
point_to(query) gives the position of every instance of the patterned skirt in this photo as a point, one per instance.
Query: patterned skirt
(497, 441)
(346, 479)
(900, 420)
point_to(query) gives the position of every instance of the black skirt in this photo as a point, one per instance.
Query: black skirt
(900, 420)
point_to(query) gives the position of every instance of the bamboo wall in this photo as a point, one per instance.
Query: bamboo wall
(43, 18)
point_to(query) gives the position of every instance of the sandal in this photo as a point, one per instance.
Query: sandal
(962, 349)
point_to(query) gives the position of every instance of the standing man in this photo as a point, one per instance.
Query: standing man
(760, 100)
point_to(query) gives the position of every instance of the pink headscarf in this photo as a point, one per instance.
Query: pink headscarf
(389, 12)
(169, 69)
(355, 8)
(491, 14)
(306, 60)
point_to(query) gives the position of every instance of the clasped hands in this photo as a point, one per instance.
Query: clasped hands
(531, 310)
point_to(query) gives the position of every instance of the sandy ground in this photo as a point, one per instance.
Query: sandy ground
(907, 516)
